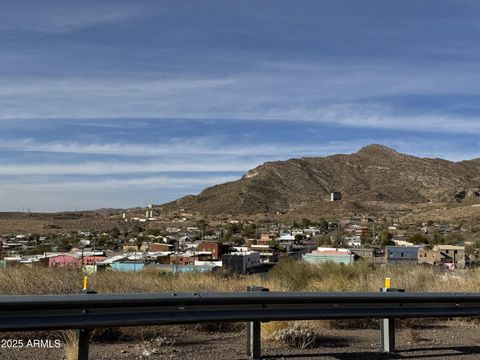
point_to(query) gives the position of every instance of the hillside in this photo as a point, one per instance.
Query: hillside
(375, 177)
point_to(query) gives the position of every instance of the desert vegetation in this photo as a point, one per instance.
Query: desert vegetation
(288, 275)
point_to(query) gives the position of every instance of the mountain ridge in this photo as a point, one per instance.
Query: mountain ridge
(376, 174)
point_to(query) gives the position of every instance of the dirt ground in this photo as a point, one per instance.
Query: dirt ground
(442, 340)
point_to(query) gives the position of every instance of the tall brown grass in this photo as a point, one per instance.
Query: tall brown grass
(288, 275)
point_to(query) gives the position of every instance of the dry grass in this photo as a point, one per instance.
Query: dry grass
(297, 335)
(287, 276)
(412, 335)
(269, 329)
(69, 338)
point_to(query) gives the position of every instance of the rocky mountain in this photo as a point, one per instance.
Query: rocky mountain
(374, 175)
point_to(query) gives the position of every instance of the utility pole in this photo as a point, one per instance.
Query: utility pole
(94, 256)
(81, 265)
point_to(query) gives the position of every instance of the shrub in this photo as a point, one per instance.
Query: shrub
(297, 335)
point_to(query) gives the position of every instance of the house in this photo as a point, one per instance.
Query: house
(158, 257)
(215, 248)
(92, 259)
(352, 240)
(107, 263)
(451, 256)
(183, 259)
(286, 241)
(401, 254)
(241, 262)
(429, 257)
(155, 247)
(60, 260)
(265, 238)
(129, 248)
(268, 254)
(364, 254)
(127, 266)
(359, 230)
(9, 261)
(324, 254)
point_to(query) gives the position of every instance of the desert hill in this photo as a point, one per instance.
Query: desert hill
(374, 176)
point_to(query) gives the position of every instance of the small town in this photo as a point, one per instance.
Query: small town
(238, 248)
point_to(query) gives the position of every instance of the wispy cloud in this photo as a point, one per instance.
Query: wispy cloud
(192, 146)
(110, 167)
(216, 154)
(343, 95)
(52, 18)
(158, 182)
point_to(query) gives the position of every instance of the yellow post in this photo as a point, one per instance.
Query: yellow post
(85, 283)
(387, 283)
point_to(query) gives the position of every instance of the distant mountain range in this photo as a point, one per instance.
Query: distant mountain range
(374, 177)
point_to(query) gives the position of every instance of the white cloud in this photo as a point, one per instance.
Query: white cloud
(192, 146)
(214, 154)
(357, 96)
(162, 182)
(110, 167)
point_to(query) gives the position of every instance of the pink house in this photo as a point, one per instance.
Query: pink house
(61, 260)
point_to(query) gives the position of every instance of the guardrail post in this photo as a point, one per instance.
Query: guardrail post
(254, 349)
(83, 338)
(83, 335)
(387, 326)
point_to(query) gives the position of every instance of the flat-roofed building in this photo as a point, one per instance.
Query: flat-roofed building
(322, 255)
(451, 256)
(401, 254)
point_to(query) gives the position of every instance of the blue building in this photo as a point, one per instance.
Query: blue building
(127, 266)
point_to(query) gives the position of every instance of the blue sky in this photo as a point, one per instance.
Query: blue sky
(123, 103)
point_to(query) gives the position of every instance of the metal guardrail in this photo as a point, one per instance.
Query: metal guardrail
(89, 311)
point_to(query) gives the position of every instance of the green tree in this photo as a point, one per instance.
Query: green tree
(417, 238)
(273, 243)
(337, 238)
(386, 238)
(323, 240)
(234, 228)
(202, 224)
(454, 238)
(323, 225)
(436, 239)
(115, 233)
(306, 222)
(249, 231)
